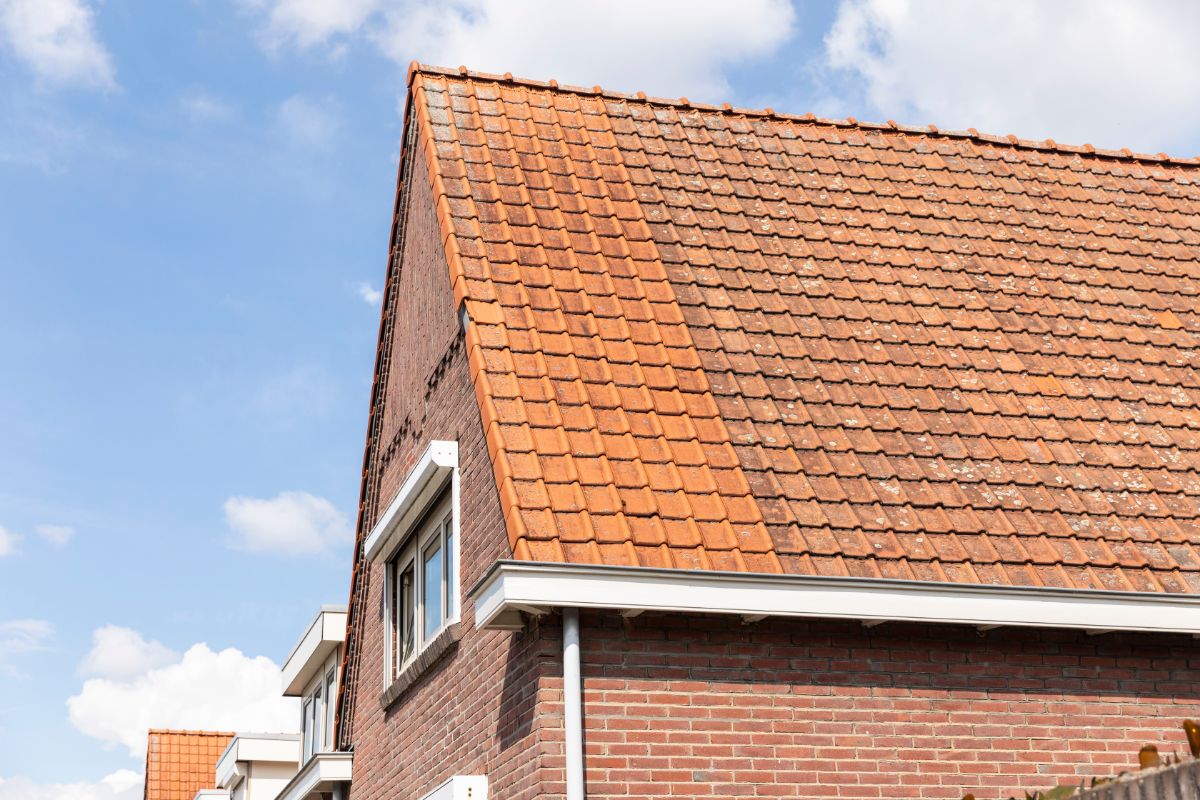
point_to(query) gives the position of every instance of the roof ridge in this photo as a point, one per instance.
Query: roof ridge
(971, 134)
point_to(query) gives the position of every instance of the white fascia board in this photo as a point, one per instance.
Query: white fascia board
(230, 771)
(326, 632)
(320, 774)
(428, 477)
(461, 787)
(211, 794)
(279, 748)
(511, 587)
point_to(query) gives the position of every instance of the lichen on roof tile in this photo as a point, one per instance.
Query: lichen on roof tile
(730, 340)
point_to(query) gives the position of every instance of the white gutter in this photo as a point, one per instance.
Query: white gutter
(573, 705)
(511, 588)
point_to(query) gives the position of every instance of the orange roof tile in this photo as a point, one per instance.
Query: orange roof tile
(787, 344)
(180, 763)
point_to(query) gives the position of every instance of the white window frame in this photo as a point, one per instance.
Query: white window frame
(317, 695)
(331, 688)
(440, 524)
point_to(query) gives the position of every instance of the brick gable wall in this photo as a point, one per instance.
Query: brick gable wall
(705, 707)
(473, 712)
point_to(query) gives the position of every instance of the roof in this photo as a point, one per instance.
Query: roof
(181, 763)
(712, 338)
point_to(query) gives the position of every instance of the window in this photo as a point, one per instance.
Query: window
(422, 586)
(317, 710)
(310, 708)
(330, 699)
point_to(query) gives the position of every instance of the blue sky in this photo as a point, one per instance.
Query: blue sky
(194, 206)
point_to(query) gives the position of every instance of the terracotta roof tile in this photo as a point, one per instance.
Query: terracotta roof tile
(180, 763)
(734, 340)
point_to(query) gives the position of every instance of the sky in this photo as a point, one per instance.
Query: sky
(195, 199)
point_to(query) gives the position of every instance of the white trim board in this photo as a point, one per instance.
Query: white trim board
(512, 587)
(324, 634)
(436, 465)
(319, 775)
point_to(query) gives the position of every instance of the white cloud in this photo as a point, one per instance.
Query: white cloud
(57, 40)
(296, 395)
(8, 542)
(369, 294)
(57, 535)
(124, 784)
(204, 690)
(1111, 72)
(675, 47)
(668, 46)
(122, 654)
(201, 106)
(310, 22)
(308, 122)
(21, 636)
(291, 523)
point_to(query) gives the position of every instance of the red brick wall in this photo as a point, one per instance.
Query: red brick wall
(473, 712)
(706, 707)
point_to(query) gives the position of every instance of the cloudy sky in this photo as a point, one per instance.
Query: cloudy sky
(194, 205)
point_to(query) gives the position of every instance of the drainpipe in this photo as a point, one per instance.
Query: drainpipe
(573, 705)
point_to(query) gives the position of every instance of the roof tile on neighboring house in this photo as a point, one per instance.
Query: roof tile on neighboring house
(720, 339)
(180, 763)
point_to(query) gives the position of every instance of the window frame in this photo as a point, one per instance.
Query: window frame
(316, 731)
(331, 688)
(440, 523)
(307, 718)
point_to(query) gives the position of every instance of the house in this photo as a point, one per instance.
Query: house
(179, 764)
(255, 766)
(311, 672)
(718, 453)
(288, 766)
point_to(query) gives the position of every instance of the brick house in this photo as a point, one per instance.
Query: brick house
(720, 453)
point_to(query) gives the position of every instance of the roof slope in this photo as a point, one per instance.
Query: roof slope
(730, 340)
(181, 763)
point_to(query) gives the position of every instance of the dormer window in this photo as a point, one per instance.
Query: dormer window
(416, 541)
(423, 585)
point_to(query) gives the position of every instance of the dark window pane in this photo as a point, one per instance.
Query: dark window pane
(407, 613)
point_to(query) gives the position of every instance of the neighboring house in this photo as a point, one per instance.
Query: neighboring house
(179, 764)
(817, 458)
(274, 766)
(194, 765)
(255, 766)
(311, 673)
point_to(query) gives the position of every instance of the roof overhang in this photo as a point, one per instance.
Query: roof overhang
(211, 794)
(511, 588)
(279, 748)
(433, 469)
(326, 632)
(321, 774)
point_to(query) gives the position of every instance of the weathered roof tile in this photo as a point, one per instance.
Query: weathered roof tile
(749, 341)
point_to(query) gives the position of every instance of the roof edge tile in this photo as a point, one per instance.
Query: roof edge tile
(1010, 141)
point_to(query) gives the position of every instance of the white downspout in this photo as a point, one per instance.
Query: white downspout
(573, 705)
